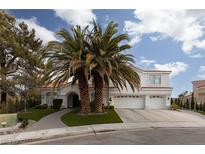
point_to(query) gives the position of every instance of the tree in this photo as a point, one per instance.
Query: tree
(12, 51)
(187, 104)
(172, 101)
(20, 63)
(109, 61)
(31, 65)
(69, 58)
(197, 106)
(182, 95)
(203, 109)
(192, 101)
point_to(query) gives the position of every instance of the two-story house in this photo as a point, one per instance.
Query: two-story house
(154, 93)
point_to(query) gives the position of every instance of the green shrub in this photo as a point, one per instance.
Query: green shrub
(24, 123)
(9, 107)
(172, 101)
(57, 103)
(32, 103)
(174, 106)
(187, 104)
(192, 101)
(20, 119)
(203, 107)
(112, 107)
(92, 106)
(109, 107)
(43, 106)
(197, 106)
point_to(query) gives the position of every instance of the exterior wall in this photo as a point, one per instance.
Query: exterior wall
(185, 98)
(145, 82)
(147, 90)
(199, 94)
(199, 90)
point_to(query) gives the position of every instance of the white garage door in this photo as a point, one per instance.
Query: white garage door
(134, 102)
(157, 102)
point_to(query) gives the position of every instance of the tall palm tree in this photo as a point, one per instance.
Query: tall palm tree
(110, 63)
(69, 58)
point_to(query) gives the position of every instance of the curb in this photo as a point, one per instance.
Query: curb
(89, 129)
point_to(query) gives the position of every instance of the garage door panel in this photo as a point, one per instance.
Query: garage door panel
(156, 103)
(129, 102)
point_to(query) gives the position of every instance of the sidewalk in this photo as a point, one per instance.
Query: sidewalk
(72, 131)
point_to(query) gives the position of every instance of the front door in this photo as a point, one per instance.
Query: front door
(75, 101)
(72, 101)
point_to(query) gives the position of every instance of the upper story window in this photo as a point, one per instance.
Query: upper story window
(155, 79)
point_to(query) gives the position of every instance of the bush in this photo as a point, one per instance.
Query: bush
(20, 119)
(24, 123)
(57, 103)
(33, 103)
(197, 106)
(92, 106)
(43, 106)
(109, 107)
(203, 107)
(174, 106)
(9, 107)
(187, 104)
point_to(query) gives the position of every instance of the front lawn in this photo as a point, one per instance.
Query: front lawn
(11, 119)
(74, 119)
(36, 114)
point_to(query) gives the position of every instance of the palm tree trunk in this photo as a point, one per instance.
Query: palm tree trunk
(98, 83)
(84, 93)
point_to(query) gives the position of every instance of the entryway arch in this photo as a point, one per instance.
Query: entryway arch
(73, 100)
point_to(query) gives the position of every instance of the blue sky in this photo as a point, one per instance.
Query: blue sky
(161, 39)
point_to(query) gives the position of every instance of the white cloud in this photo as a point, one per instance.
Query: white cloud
(185, 26)
(41, 32)
(201, 73)
(107, 18)
(175, 67)
(144, 62)
(76, 17)
(196, 55)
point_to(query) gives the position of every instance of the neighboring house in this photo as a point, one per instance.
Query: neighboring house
(199, 90)
(154, 93)
(186, 97)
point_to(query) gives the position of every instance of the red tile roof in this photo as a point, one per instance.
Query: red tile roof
(198, 83)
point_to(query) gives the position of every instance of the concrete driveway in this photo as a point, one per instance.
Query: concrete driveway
(137, 116)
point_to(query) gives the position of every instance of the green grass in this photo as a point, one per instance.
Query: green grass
(11, 119)
(36, 114)
(201, 112)
(73, 119)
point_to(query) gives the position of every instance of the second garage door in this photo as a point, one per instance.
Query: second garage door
(157, 102)
(134, 102)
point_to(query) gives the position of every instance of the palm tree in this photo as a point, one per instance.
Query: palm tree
(69, 58)
(109, 61)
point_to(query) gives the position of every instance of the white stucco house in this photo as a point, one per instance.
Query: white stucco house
(154, 93)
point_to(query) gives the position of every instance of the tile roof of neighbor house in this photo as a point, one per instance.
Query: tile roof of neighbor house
(198, 83)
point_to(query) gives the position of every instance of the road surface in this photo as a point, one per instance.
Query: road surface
(155, 136)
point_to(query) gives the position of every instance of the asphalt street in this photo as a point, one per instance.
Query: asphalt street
(155, 136)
